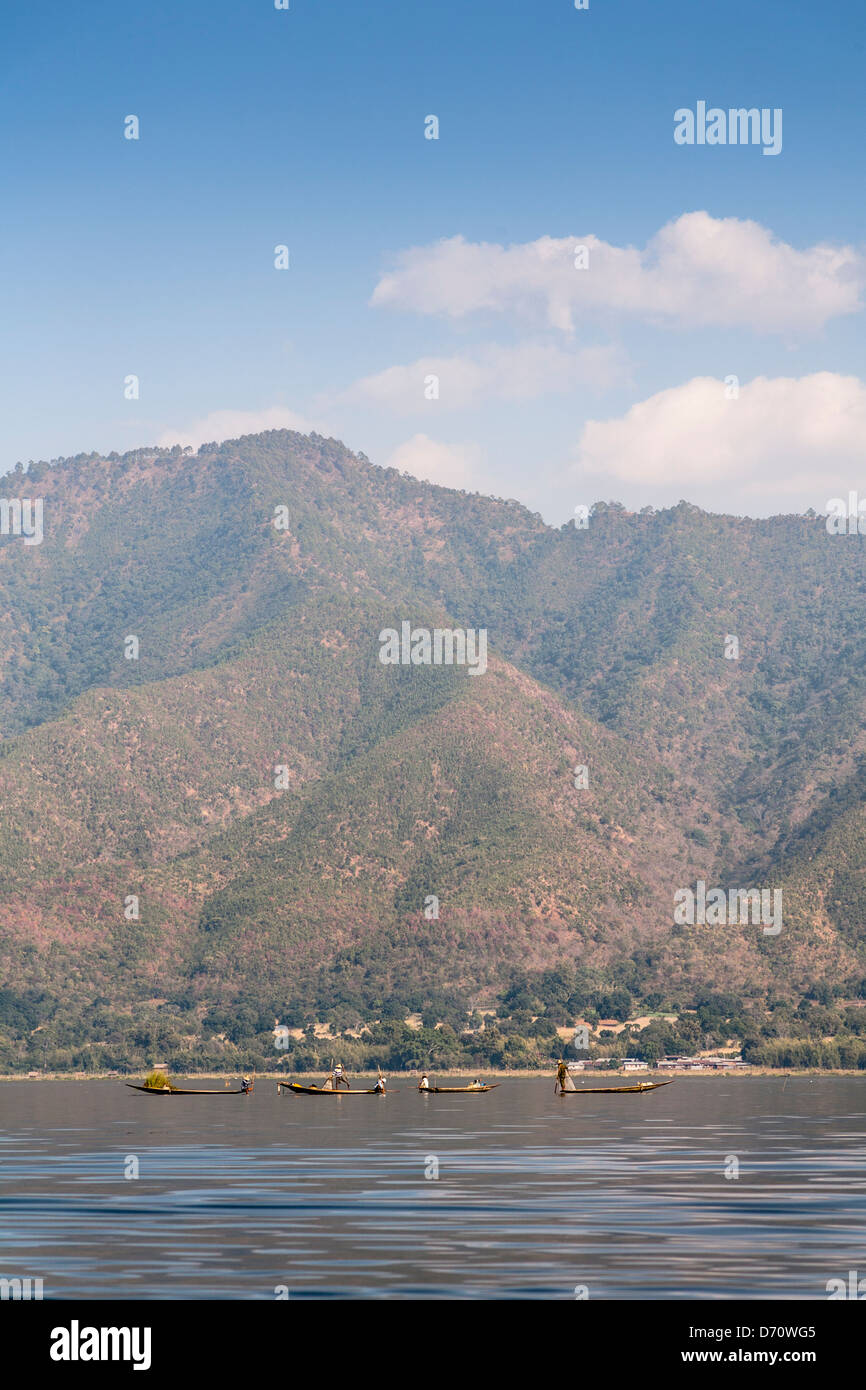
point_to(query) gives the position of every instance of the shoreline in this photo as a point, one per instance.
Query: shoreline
(286, 1076)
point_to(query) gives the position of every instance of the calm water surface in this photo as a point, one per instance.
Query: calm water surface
(535, 1195)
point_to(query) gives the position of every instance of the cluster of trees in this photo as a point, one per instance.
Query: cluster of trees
(847, 1053)
(821, 1030)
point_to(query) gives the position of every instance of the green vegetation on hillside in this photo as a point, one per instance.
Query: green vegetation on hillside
(255, 818)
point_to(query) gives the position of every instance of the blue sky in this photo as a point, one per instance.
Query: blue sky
(305, 127)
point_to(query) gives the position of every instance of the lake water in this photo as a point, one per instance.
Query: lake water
(535, 1196)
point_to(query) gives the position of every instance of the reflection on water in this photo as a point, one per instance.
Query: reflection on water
(535, 1195)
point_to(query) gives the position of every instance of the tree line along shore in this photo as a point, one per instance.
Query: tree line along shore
(517, 1074)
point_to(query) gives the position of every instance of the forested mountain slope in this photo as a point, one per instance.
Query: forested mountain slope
(283, 805)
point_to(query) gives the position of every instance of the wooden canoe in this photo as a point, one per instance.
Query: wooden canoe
(458, 1090)
(179, 1091)
(616, 1090)
(320, 1090)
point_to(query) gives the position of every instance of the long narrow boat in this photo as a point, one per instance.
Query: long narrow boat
(616, 1090)
(179, 1091)
(457, 1090)
(320, 1090)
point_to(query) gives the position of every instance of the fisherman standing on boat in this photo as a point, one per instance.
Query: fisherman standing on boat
(380, 1085)
(423, 1084)
(561, 1075)
(339, 1077)
(246, 1085)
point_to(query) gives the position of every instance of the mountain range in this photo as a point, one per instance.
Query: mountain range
(215, 795)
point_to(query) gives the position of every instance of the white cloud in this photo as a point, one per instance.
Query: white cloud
(451, 465)
(791, 435)
(696, 270)
(521, 372)
(230, 424)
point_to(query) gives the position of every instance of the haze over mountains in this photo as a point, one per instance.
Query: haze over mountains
(258, 647)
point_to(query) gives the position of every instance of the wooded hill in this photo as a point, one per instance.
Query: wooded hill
(301, 894)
